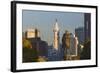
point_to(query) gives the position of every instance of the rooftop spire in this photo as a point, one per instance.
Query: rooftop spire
(56, 20)
(56, 28)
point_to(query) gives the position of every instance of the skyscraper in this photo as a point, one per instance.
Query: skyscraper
(79, 32)
(56, 36)
(86, 53)
(66, 45)
(87, 25)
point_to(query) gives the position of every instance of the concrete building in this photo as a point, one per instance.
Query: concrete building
(56, 36)
(79, 32)
(66, 42)
(32, 33)
(73, 45)
(86, 53)
(70, 46)
(66, 45)
(87, 25)
(39, 47)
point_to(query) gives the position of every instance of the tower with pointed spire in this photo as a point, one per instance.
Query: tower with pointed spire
(56, 36)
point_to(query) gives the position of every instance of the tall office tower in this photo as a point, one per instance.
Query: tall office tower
(56, 36)
(87, 25)
(79, 32)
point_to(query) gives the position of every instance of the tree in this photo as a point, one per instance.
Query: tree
(26, 43)
(86, 53)
(29, 54)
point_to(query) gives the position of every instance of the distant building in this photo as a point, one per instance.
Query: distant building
(87, 25)
(86, 53)
(55, 51)
(79, 32)
(66, 43)
(39, 46)
(56, 36)
(74, 45)
(55, 55)
(32, 33)
(66, 40)
(70, 45)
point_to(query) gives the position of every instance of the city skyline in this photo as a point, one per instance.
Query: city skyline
(41, 19)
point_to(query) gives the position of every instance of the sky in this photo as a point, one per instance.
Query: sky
(45, 20)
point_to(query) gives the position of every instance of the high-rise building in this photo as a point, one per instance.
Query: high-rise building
(87, 25)
(86, 53)
(70, 46)
(56, 36)
(79, 32)
(66, 44)
(66, 40)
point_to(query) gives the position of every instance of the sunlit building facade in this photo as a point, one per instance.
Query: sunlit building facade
(32, 33)
(56, 36)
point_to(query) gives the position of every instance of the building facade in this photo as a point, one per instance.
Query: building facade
(39, 47)
(87, 25)
(56, 36)
(79, 32)
(32, 33)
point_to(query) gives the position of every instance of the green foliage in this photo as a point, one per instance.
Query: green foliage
(86, 54)
(29, 55)
(26, 43)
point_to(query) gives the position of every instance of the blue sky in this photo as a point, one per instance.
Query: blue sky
(44, 21)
